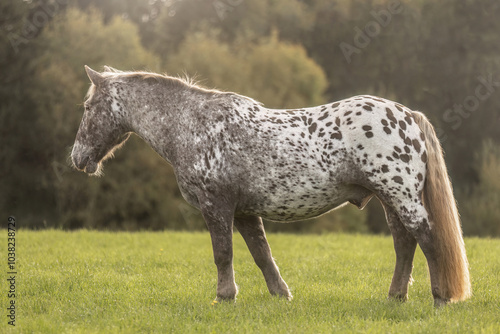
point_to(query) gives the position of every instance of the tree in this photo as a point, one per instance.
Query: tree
(279, 74)
(480, 210)
(441, 58)
(19, 50)
(56, 90)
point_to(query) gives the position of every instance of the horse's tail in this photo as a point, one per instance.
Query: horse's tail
(440, 204)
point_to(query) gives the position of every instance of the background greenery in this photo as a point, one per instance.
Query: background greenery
(431, 56)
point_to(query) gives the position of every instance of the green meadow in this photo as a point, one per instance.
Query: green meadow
(164, 282)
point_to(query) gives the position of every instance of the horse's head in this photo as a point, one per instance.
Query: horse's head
(101, 130)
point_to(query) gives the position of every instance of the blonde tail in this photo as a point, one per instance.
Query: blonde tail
(440, 204)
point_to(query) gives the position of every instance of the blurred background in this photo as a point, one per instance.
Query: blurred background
(440, 57)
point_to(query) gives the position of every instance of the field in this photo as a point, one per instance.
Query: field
(103, 282)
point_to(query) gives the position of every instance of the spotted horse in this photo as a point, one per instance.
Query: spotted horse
(237, 162)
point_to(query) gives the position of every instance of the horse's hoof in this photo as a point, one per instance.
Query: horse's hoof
(439, 302)
(288, 297)
(220, 299)
(398, 297)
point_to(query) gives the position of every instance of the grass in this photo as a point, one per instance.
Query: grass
(102, 282)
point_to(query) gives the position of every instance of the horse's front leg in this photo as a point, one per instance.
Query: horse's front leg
(219, 219)
(252, 230)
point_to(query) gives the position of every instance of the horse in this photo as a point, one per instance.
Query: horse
(238, 162)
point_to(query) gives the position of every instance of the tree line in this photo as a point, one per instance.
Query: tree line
(437, 57)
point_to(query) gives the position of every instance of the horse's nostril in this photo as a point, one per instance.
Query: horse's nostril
(79, 162)
(91, 167)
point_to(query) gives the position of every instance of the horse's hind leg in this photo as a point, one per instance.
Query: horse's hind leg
(421, 230)
(252, 230)
(415, 219)
(404, 245)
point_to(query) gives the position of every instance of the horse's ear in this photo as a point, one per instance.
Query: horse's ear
(110, 69)
(94, 76)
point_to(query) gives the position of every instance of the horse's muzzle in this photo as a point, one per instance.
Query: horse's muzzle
(79, 162)
(84, 164)
(81, 159)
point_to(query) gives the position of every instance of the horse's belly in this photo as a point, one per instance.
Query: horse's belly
(297, 213)
(301, 204)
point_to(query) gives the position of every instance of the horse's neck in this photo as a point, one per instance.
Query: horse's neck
(158, 118)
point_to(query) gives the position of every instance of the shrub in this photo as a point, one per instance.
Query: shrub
(481, 205)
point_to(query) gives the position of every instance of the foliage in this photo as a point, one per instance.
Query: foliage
(109, 202)
(481, 209)
(18, 56)
(83, 282)
(279, 74)
(441, 58)
(56, 91)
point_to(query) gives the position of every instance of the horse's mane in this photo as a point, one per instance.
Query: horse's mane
(164, 79)
(184, 82)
